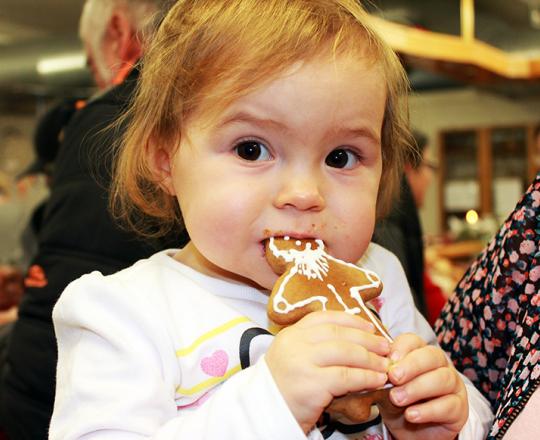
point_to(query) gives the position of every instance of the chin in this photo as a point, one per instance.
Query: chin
(265, 282)
(258, 280)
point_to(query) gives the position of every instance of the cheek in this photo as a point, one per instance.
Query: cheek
(211, 232)
(356, 230)
(206, 213)
(220, 213)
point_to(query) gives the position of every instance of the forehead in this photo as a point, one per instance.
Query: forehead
(328, 76)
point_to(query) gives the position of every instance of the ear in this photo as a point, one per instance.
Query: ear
(120, 30)
(162, 165)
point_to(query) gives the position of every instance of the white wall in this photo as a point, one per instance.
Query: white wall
(432, 112)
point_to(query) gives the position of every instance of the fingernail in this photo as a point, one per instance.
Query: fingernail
(399, 395)
(397, 372)
(413, 415)
(382, 377)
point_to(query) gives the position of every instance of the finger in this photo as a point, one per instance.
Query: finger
(335, 333)
(343, 380)
(432, 384)
(334, 353)
(337, 318)
(405, 343)
(417, 362)
(448, 410)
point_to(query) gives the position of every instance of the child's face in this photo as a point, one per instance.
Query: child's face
(300, 156)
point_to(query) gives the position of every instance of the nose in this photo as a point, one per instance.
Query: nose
(300, 191)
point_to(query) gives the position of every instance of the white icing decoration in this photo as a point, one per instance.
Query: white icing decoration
(314, 263)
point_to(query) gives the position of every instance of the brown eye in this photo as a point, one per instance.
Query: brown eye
(252, 151)
(342, 158)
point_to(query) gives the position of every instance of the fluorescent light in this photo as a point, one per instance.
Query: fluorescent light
(61, 63)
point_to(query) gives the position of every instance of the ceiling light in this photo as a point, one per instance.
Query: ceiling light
(61, 63)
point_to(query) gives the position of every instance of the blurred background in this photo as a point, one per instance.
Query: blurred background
(474, 68)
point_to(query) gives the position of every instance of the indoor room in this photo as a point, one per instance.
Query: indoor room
(187, 186)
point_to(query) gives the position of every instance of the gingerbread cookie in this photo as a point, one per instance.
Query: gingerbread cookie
(313, 280)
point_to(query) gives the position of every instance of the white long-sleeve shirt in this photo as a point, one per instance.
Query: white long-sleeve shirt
(161, 351)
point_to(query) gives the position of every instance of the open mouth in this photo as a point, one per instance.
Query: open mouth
(287, 236)
(293, 235)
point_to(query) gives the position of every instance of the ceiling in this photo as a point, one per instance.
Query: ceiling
(505, 24)
(31, 30)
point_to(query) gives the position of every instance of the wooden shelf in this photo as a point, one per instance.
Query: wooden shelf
(463, 50)
(485, 169)
(459, 250)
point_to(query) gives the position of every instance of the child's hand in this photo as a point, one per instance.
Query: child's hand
(431, 388)
(324, 355)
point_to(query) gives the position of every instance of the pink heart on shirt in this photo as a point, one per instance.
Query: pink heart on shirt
(216, 364)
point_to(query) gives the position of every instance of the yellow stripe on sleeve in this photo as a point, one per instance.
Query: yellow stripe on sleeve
(212, 333)
(208, 383)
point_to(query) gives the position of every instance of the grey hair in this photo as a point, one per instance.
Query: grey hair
(145, 17)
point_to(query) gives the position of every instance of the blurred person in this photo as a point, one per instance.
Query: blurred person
(113, 34)
(401, 232)
(19, 198)
(11, 214)
(77, 235)
(25, 205)
(10, 217)
(490, 326)
(48, 136)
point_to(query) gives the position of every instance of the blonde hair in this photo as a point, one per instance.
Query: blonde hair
(239, 45)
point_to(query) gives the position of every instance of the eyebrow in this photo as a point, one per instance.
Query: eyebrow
(358, 132)
(255, 120)
(245, 117)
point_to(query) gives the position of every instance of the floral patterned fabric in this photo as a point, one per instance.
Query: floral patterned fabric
(490, 326)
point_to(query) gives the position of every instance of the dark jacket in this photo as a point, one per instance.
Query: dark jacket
(401, 233)
(77, 236)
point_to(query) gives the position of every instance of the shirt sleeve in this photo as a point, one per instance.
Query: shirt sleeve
(247, 406)
(480, 415)
(117, 375)
(400, 315)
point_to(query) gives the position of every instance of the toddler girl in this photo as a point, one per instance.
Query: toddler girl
(254, 119)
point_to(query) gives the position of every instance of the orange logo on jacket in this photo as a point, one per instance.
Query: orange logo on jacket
(35, 277)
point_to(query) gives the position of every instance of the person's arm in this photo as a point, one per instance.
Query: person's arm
(118, 373)
(400, 316)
